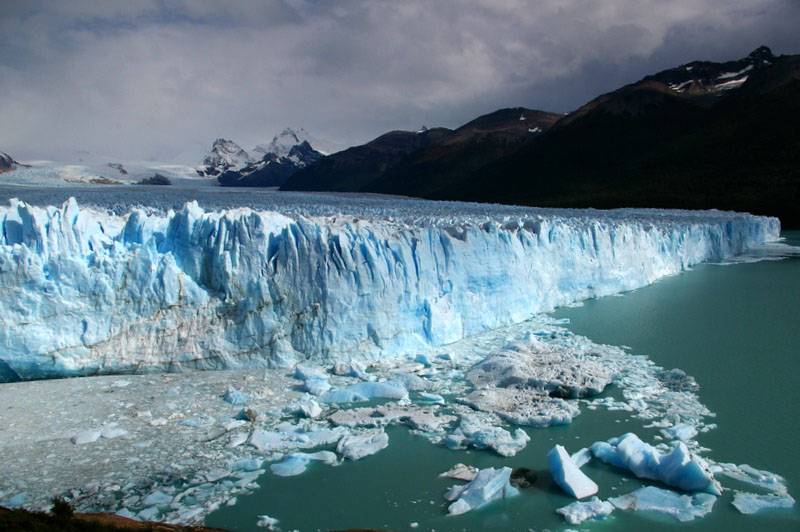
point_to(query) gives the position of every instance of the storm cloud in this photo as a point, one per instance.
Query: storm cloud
(161, 79)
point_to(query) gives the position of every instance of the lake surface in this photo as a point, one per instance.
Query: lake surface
(735, 328)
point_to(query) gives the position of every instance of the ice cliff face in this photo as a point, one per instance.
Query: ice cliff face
(85, 292)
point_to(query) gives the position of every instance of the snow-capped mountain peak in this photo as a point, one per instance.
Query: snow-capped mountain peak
(225, 155)
(283, 142)
(707, 77)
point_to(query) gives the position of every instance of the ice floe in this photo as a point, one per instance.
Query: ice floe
(475, 432)
(357, 446)
(364, 391)
(750, 503)
(461, 472)
(683, 507)
(296, 463)
(488, 485)
(578, 512)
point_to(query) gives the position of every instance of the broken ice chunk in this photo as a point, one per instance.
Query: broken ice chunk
(679, 468)
(358, 446)
(16, 501)
(306, 407)
(681, 432)
(489, 484)
(296, 463)
(422, 359)
(461, 472)
(112, 431)
(568, 475)
(314, 380)
(234, 396)
(287, 437)
(267, 522)
(86, 436)
(351, 369)
(479, 434)
(157, 498)
(578, 512)
(254, 464)
(750, 503)
(582, 457)
(651, 498)
(106, 431)
(365, 391)
(434, 398)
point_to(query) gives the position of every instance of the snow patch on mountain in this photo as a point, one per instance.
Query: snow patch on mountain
(282, 143)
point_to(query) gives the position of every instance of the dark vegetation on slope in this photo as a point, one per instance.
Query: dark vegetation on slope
(699, 136)
(19, 520)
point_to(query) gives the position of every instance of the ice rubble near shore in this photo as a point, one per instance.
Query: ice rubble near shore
(85, 291)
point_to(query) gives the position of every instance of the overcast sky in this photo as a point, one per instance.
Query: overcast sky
(162, 79)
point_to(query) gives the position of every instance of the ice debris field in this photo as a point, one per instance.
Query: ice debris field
(332, 326)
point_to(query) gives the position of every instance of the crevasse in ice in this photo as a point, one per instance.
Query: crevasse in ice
(85, 291)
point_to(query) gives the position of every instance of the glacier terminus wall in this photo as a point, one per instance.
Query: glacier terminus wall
(87, 291)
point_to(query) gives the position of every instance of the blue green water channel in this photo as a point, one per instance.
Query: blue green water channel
(735, 328)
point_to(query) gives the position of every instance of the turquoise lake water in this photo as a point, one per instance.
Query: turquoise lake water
(735, 328)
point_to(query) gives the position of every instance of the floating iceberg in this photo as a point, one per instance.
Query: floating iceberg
(352, 368)
(296, 463)
(490, 484)
(568, 475)
(461, 472)
(234, 396)
(267, 522)
(750, 503)
(679, 468)
(314, 381)
(106, 432)
(423, 418)
(651, 498)
(306, 407)
(357, 446)
(288, 437)
(578, 512)
(475, 432)
(365, 391)
(87, 291)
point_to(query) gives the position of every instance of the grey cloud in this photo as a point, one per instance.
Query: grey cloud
(162, 78)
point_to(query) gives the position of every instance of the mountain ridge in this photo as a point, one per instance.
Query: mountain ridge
(701, 135)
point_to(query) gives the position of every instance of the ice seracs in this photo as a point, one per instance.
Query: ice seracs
(241, 288)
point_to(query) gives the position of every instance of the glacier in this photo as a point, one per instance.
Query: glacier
(86, 290)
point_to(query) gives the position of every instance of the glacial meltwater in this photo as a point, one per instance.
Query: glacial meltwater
(733, 327)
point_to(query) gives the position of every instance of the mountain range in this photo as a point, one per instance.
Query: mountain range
(701, 135)
(288, 152)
